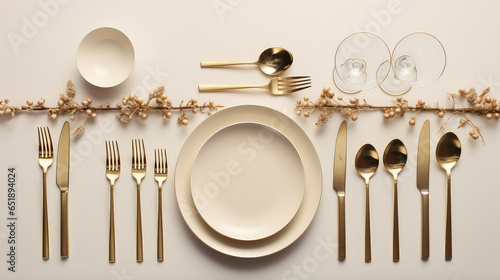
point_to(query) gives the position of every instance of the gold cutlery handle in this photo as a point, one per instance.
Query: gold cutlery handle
(209, 88)
(139, 253)
(395, 228)
(342, 250)
(448, 251)
(425, 225)
(368, 246)
(112, 252)
(64, 225)
(222, 64)
(159, 252)
(45, 220)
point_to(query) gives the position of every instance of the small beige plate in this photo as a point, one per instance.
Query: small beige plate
(105, 57)
(312, 172)
(247, 181)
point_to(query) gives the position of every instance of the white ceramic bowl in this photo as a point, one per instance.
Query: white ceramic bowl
(105, 57)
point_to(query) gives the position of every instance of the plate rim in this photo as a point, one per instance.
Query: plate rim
(274, 130)
(270, 245)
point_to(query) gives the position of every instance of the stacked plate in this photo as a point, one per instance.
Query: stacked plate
(248, 181)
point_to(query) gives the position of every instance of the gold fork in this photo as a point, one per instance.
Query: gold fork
(161, 172)
(277, 86)
(112, 172)
(45, 158)
(138, 172)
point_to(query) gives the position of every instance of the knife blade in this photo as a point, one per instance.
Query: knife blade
(423, 158)
(63, 183)
(339, 170)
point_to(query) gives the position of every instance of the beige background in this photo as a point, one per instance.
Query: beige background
(170, 39)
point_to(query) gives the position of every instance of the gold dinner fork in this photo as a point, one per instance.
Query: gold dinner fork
(277, 86)
(138, 172)
(161, 172)
(45, 158)
(112, 172)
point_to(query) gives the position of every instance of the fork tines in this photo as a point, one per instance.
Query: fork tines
(45, 148)
(138, 154)
(112, 156)
(293, 84)
(161, 166)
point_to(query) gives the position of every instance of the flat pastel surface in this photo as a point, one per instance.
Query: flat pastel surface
(171, 38)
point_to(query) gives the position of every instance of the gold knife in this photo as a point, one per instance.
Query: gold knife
(339, 167)
(63, 183)
(423, 184)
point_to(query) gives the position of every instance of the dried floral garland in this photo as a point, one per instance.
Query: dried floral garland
(131, 106)
(480, 104)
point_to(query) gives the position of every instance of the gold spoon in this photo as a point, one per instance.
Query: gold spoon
(448, 153)
(395, 156)
(367, 164)
(271, 61)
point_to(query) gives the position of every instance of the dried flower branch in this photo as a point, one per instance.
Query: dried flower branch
(131, 106)
(480, 104)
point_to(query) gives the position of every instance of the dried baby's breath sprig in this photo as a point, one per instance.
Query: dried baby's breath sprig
(79, 130)
(130, 106)
(480, 104)
(135, 106)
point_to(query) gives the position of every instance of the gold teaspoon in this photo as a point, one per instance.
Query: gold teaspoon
(366, 165)
(395, 156)
(448, 153)
(272, 61)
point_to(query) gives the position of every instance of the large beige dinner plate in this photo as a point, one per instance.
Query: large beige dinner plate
(312, 172)
(105, 57)
(247, 181)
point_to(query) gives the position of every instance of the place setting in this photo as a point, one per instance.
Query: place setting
(248, 180)
(249, 139)
(225, 166)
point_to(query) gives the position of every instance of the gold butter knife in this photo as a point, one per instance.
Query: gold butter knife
(339, 167)
(423, 184)
(63, 183)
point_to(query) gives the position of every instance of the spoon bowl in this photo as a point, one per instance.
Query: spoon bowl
(274, 61)
(395, 156)
(366, 161)
(448, 153)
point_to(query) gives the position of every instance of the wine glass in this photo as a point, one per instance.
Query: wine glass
(357, 60)
(418, 60)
